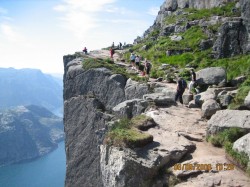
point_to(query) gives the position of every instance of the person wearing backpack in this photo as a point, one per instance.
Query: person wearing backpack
(181, 86)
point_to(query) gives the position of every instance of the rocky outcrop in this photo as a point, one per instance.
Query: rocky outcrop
(160, 99)
(135, 90)
(130, 108)
(224, 119)
(212, 75)
(101, 85)
(232, 39)
(28, 132)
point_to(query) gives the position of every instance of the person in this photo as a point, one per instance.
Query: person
(193, 80)
(113, 45)
(132, 59)
(147, 67)
(85, 50)
(137, 62)
(112, 52)
(181, 86)
(120, 45)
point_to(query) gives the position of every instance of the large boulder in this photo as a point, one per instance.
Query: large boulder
(243, 144)
(247, 100)
(130, 108)
(211, 75)
(203, 97)
(224, 119)
(209, 108)
(135, 90)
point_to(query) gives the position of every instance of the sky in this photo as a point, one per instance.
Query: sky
(37, 33)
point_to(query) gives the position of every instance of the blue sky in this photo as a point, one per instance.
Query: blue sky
(37, 33)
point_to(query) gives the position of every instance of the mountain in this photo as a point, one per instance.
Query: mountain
(29, 86)
(27, 132)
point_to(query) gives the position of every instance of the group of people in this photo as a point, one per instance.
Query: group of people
(141, 66)
(182, 85)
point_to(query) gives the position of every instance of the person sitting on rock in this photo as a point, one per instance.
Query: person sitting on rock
(181, 86)
(85, 50)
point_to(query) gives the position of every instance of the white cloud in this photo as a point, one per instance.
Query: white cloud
(153, 11)
(80, 15)
(10, 33)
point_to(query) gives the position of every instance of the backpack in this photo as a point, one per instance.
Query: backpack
(182, 84)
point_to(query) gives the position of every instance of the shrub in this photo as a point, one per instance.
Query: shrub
(123, 134)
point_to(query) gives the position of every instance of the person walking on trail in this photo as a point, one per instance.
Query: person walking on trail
(132, 59)
(112, 52)
(137, 62)
(181, 86)
(193, 80)
(120, 45)
(85, 50)
(147, 67)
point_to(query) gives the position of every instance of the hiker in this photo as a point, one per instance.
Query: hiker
(193, 80)
(85, 50)
(112, 52)
(120, 45)
(113, 45)
(147, 67)
(181, 86)
(132, 60)
(137, 62)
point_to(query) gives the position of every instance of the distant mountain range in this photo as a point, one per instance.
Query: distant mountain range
(27, 132)
(30, 86)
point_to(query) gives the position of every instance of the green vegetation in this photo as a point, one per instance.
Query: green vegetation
(124, 134)
(226, 139)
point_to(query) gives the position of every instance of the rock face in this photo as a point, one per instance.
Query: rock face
(228, 118)
(212, 75)
(27, 133)
(134, 90)
(232, 39)
(87, 94)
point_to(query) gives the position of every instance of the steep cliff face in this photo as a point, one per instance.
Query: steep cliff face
(87, 95)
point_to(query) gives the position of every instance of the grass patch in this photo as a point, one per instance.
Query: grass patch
(124, 134)
(226, 139)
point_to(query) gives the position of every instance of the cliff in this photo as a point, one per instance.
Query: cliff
(28, 132)
(96, 97)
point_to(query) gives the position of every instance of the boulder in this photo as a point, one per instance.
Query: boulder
(224, 98)
(238, 80)
(206, 44)
(224, 119)
(135, 90)
(176, 38)
(243, 144)
(160, 99)
(204, 96)
(187, 97)
(247, 100)
(211, 76)
(192, 104)
(130, 108)
(209, 108)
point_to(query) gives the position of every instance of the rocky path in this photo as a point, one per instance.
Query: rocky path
(182, 129)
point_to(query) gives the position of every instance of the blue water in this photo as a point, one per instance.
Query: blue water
(47, 171)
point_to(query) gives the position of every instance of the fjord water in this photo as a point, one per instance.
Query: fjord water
(47, 171)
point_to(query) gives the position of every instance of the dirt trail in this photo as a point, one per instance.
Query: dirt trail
(187, 122)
